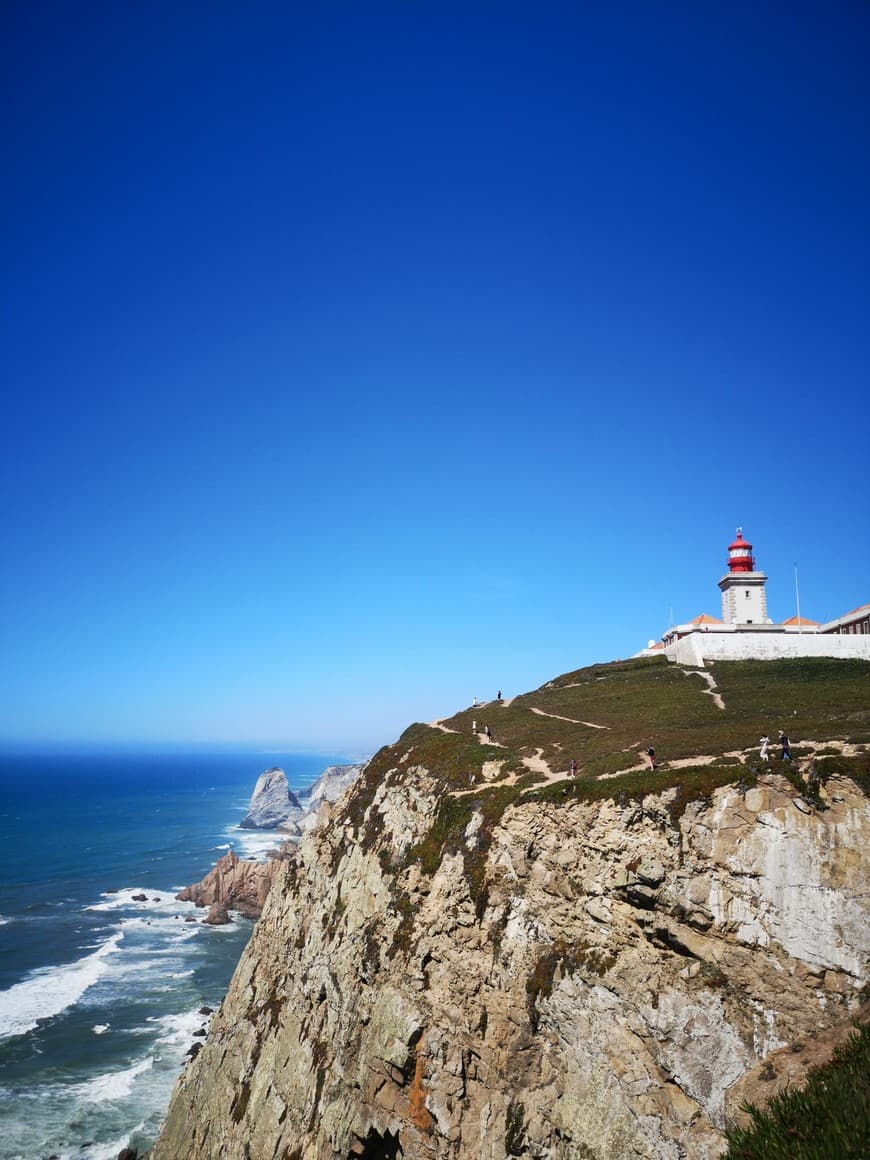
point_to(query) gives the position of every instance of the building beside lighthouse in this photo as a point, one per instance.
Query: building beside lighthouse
(746, 632)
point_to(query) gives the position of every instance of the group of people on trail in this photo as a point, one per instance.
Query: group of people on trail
(784, 744)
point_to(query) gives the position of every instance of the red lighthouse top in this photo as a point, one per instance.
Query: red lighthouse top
(740, 558)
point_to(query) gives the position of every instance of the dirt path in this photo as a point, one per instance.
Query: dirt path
(711, 690)
(570, 720)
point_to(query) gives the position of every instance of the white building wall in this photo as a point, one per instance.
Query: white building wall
(699, 647)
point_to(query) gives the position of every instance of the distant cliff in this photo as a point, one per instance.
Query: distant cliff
(479, 956)
(274, 806)
(234, 884)
(272, 802)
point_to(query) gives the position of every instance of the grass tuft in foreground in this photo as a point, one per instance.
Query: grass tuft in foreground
(829, 1119)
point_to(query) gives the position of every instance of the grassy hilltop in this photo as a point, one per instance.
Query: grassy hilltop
(605, 716)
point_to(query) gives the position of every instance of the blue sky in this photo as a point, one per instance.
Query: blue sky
(362, 359)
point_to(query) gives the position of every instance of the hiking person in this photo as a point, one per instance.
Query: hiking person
(650, 755)
(573, 767)
(765, 741)
(786, 747)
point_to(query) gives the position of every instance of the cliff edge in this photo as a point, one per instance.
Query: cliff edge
(481, 956)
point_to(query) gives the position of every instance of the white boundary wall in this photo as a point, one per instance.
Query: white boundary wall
(698, 647)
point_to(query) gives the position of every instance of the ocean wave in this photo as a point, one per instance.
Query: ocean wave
(177, 1031)
(108, 1151)
(114, 1085)
(126, 899)
(49, 990)
(225, 846)
(100, 1028)
(255, 844)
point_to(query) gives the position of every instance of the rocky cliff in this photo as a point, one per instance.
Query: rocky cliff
(479, 957)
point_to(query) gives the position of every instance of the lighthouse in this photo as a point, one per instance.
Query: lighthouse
(743, 597)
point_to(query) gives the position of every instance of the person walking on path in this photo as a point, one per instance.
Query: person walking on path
(650, 755)
(573, 767)
(473, 726)
(488, 732)
(786, 747)
(765, 741)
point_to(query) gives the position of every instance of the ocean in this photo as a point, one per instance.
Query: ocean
(101, 993)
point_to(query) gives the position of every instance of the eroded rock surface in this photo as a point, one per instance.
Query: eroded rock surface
(233, 884)
(272, 802)
(570, 979)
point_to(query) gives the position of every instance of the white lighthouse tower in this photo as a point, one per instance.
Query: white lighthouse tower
(743, 597)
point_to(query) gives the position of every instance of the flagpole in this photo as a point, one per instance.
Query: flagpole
(797, 597)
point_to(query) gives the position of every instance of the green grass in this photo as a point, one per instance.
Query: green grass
(640, 702)
(827, 1119)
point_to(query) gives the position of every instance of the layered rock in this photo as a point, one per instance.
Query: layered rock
(233, 884)
(560, 978)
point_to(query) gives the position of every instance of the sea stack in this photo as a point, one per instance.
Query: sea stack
(272, 802)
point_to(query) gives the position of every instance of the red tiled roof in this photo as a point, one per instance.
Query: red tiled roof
(800, 620)
(705, 618)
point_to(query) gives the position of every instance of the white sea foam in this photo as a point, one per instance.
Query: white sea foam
(114, 1085)
(155, 901)
(107, 1151)
(50, 990)
(100, 1028)
(4, 919)
(177, 1031)
(255, 844)
(225, 846)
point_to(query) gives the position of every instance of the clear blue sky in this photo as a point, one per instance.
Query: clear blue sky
(360, 359)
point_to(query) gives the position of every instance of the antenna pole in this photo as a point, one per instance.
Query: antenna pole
(797, 597)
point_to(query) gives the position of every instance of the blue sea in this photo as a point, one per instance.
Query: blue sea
(100, 994)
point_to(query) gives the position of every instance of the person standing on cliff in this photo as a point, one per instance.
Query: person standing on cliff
(786, 747)
(765, 741)
(650, 755)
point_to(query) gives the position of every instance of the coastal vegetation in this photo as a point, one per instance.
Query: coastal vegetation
(827, 1119)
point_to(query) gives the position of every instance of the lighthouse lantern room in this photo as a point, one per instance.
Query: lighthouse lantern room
(743, 597)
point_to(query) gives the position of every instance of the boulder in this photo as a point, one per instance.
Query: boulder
(217, 915)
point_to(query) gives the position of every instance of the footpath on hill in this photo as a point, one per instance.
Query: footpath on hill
(605, 717)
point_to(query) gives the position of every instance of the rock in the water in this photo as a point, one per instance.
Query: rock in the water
(140, 897)
(272, 802)
(217, 915)
(235, 884)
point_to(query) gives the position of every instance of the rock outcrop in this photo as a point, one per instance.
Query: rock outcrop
(272, 802)
(484, 974)
(274, 806)
(233, 884)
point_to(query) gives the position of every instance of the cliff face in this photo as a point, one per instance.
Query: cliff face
(480, 974)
